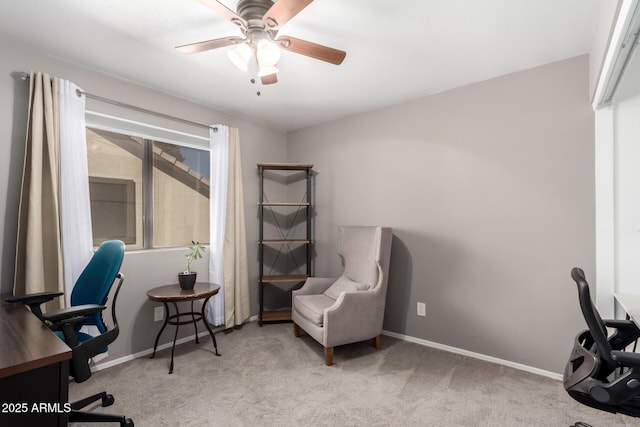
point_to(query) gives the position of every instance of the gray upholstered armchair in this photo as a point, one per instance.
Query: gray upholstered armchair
(351, 308)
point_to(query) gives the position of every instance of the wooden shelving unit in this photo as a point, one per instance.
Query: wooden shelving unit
(286, 239)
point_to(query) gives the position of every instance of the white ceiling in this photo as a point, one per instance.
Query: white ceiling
(396, 49)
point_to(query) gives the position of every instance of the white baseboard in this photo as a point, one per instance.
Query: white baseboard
(114, 362)
(491, 359)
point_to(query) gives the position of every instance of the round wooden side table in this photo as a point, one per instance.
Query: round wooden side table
(174, 294)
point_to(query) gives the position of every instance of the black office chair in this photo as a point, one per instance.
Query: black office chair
(599, 372)
(88, 300)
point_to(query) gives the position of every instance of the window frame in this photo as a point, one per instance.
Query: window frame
(149, 134)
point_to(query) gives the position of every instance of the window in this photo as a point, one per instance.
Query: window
(146, 192)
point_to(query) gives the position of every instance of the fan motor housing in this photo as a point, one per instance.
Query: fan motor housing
(253, 9)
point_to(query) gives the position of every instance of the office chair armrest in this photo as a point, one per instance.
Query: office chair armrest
(35, 300)
(626, 358)
(621, 324)
(626, 332)
(80, 311)
(38, 298)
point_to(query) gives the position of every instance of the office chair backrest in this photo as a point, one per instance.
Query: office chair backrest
(93, 285)
(594, 321)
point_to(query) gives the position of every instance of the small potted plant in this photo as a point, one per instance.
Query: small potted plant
(187, 279)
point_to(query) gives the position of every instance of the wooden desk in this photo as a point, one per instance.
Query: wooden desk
(34, 370)
(631, 304)
(174, 294)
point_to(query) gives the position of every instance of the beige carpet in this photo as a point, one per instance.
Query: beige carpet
(267, 377)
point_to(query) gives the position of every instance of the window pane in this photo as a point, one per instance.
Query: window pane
(180, 195)
(113, 207)
(115, 180)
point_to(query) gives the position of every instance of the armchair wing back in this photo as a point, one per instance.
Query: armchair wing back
(359, 248)
(350, 308)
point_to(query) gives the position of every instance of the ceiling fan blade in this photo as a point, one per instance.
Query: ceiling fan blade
(224, 11)
(314, 50)
(269, 79)
(282, 11)
(208, 45)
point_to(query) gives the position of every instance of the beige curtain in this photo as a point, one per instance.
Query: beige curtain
(236, 276)
(38, 250)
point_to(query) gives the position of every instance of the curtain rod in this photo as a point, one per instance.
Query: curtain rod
(25, 76)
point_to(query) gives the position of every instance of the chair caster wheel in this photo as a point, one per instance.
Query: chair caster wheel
(128, 422)
(108, 400)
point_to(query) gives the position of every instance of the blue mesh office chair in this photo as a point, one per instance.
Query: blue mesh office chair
(88, 300)
(600, 373)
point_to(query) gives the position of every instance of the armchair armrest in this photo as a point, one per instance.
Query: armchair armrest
(35, 300)
(315, 286)
(355, 316)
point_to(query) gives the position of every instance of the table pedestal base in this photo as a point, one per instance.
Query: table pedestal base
(174, 319)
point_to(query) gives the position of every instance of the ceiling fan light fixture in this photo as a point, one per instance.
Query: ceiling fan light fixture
(266, 70)
(240, 56)
(267, 53)
(260, 21)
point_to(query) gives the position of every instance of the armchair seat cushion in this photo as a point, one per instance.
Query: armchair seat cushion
(312, 307)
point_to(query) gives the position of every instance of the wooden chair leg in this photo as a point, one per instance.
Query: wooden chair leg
(328, 356)
(376, 342)
(296, 330)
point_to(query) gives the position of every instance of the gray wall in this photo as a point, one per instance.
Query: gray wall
(490, 191)
(143, 270)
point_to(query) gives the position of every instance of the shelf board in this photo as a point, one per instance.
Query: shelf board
(285, 204)
(284, 278)
(285, 166)
(276, 316)
(285, 242)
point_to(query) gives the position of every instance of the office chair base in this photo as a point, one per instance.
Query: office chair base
(92, 417)
(107, 400)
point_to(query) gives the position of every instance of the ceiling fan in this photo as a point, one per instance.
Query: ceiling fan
(260, 21)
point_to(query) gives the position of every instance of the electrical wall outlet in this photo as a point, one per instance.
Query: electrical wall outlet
(158, 314)
(422, 309)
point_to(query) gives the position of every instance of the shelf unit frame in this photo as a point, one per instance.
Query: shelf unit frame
(285, 244)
